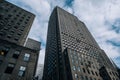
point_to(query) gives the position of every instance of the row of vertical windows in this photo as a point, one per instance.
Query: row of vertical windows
(75, 57)
(79, 58)
(84, 71)
(17, 53)
(83, 46)
(11, 34)
(113, 73)
(65, 36)
(11, 66)
(83, 77)
(15, 9)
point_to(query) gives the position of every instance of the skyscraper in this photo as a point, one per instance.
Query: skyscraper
(17, 62)
(72, 53)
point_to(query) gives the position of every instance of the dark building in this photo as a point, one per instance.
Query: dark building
(71, 51)
(119, 72)
(15, 22)
(17, 62)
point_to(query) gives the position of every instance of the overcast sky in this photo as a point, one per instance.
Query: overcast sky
(102, 18)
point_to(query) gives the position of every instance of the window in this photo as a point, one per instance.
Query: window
(74, 68)
(21, 20)
(9, 36)
(26, 57)
(86, 78)
(25, 22)
(4, 51)
(27, 19)
(1, 62)
(16, 27)
(82, 77)
(91, 78)
(28, 16)
(94, 78)
(15, 10)
(16, 54)
(76, 76)
(9, 68)
(1, 34)
(88, 71)
(92, 72)
(79, 69)
(83, 70)
(22, 17)
(9, 15)
(21, 71)
(19, 34)
(96, 73)
(17, 15)
(12, 31)
(16, 39)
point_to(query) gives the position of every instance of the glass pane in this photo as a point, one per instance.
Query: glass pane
(20, 73)
(22, 68)
(17, 52)
(27, 55)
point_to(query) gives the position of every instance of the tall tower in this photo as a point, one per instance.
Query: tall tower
(71, 51)
(15, 22)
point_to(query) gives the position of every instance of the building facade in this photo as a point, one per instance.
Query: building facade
(17, 62)
(32, 44)
(71, 51)
(15, 22)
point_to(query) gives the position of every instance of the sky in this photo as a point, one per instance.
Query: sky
(102, 18)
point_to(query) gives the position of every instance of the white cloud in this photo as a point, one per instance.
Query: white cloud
(39, 30)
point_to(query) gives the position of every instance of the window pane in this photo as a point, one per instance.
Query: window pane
(22, 68)
(4, 51)
(9, 68)
(74, 68)
(16, 54)
(21, 71)
(26, 57)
